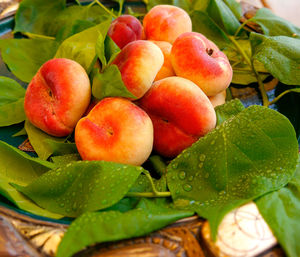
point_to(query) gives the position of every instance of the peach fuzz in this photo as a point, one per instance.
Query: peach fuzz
(180, 112)
(167, 69)
(125, 29)
(139, 62)
(198, 59)
(57, 96)
(115, 130)
(166, 23)
(218, 99)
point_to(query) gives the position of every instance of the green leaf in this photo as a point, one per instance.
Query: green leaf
(228, 110)
(281, 210)
(280, 56)
(223, 16)
(200, 5)
(235, 7)
(36, 16)
(75, 19)
(61, 148)
(203, 24)
(273, 25)
(63, 160)
(11, 102)
(82, 186)
(25, 56)
(248, 155)
(40, 140)
(18, 167)
(111, 49)
(110, 83)
(81, 46)
(93, 228)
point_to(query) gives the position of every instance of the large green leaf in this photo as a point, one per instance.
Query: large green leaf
(202, 23)
(223, 16)
(280, 56)
(110, 83)
(281, 210)
(75, 19)
(248, 155)
(39, 140)
(273, 25)
(91, 228)
(81, 46)
(228, 110)
(38, 16)
(18, 167)
(11, 102)
(82, 186)
(25, 56)
(235, 7)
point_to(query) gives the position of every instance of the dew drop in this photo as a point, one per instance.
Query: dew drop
(187, 187)
(173, 177)
(191, 178)
(104, 201)
(200, 165)
(181, 175)
(62, 205)
(223, 192)
(174, 166)
(202, 157)
(269, 171)
(140, 182)
(206, 175)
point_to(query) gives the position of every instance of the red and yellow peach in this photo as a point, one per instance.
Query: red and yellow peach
(125, 29)
(139, 63)
(166, 23)
(180, 112)
(198, 59)
(115, 130)
(57, 96)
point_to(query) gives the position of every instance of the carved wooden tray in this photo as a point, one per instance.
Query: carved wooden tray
(243, 232)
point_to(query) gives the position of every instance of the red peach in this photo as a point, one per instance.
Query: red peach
(198, 59)
(166, 23)
(125, 29)
(139, 62)
(180, 112)
(167, 69)
(115, 130)
(218, 99)
(57, 96)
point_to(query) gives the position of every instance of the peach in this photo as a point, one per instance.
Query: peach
(167, 69)
(198, 59)
(125, 29)
(115, 130)
(218, 99)
(57, 96)
(139, 62)
(180, 113)
(166, 23)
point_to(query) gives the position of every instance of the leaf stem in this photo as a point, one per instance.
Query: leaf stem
(281, 95)
(120, 8)
(251, 65)
(148, 176)
(148, 194)
(158, 164)
(261, 87)
(105, 9)
(241, 50)
(240, 28)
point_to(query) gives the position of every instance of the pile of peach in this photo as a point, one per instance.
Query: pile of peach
(177, 75)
